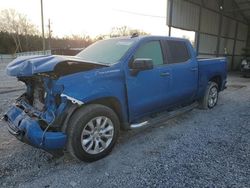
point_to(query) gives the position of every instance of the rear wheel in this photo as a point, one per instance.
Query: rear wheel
(92, 132)
(210, 98)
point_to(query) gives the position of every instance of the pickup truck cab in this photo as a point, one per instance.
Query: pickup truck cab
(80, 103)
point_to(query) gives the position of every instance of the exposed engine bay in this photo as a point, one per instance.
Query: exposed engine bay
(35, 94)
(42, 99)
(38, 97)
(42, 90)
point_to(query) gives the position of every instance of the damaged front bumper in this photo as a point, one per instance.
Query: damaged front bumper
(38, 127)
(27, 129)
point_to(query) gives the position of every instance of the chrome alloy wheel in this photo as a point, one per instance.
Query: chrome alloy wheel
(97, 135)
(212, 97)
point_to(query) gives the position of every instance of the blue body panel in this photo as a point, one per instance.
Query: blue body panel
(32, 132)
(138, 96)
(208, 69)
(96, 84)
(28, 66)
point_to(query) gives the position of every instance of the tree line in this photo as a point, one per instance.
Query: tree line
(34, 43)
(19, 34)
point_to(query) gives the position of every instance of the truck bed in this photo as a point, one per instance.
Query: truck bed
(209, 69)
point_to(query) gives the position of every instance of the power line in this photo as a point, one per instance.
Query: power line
(140, 14)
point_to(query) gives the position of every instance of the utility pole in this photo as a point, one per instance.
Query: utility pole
(169, 16)
(49, 27)
(42, 27)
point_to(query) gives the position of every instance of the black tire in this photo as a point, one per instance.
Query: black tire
(78, 124)
(204, 102)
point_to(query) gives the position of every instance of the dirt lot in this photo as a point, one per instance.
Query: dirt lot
(198, 149)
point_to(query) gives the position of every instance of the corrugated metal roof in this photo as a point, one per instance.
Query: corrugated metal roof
(243, 7)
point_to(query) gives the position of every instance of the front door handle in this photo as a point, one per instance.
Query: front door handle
(194, 69)
(165, 74)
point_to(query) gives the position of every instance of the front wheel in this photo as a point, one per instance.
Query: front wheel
(92, 132)
(210, 98)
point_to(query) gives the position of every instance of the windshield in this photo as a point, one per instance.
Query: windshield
(106, 51)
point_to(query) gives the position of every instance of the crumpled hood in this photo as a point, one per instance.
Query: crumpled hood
(28, 66)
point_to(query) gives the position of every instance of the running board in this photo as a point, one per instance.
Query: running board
(164, 116)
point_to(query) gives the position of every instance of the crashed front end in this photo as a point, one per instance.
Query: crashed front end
(39, 116)
(36, 115)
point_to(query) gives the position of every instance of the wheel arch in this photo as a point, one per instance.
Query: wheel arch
(218, 80)
(111, 102)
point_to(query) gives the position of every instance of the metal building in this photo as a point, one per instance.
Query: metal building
(221, 26)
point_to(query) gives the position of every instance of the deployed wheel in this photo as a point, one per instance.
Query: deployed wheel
(210, 98)
(92, 132)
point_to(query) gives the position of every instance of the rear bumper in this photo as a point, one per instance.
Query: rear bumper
(28, 130)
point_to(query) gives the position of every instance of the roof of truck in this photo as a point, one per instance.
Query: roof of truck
(141, 37)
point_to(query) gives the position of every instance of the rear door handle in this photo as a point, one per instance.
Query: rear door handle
(194, 69)
(165, 74)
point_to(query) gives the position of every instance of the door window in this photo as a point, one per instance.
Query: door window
(150, 50)
(177, 51)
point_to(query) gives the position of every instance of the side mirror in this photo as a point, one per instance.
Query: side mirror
(140, 64)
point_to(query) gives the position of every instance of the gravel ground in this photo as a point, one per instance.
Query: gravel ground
(200, 148)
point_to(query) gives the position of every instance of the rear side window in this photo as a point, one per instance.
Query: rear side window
(150, 50)
(177, 51)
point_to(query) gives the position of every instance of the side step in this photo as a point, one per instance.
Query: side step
(164, 116)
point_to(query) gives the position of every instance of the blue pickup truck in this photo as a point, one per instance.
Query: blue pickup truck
(80, 103)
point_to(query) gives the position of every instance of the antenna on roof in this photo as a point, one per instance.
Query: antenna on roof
(134, 35)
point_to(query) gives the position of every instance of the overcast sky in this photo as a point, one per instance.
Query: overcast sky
(94, 17)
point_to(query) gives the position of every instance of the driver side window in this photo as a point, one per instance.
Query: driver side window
(150, 50)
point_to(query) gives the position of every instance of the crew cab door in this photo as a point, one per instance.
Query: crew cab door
(184, 70)
(147, 90)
